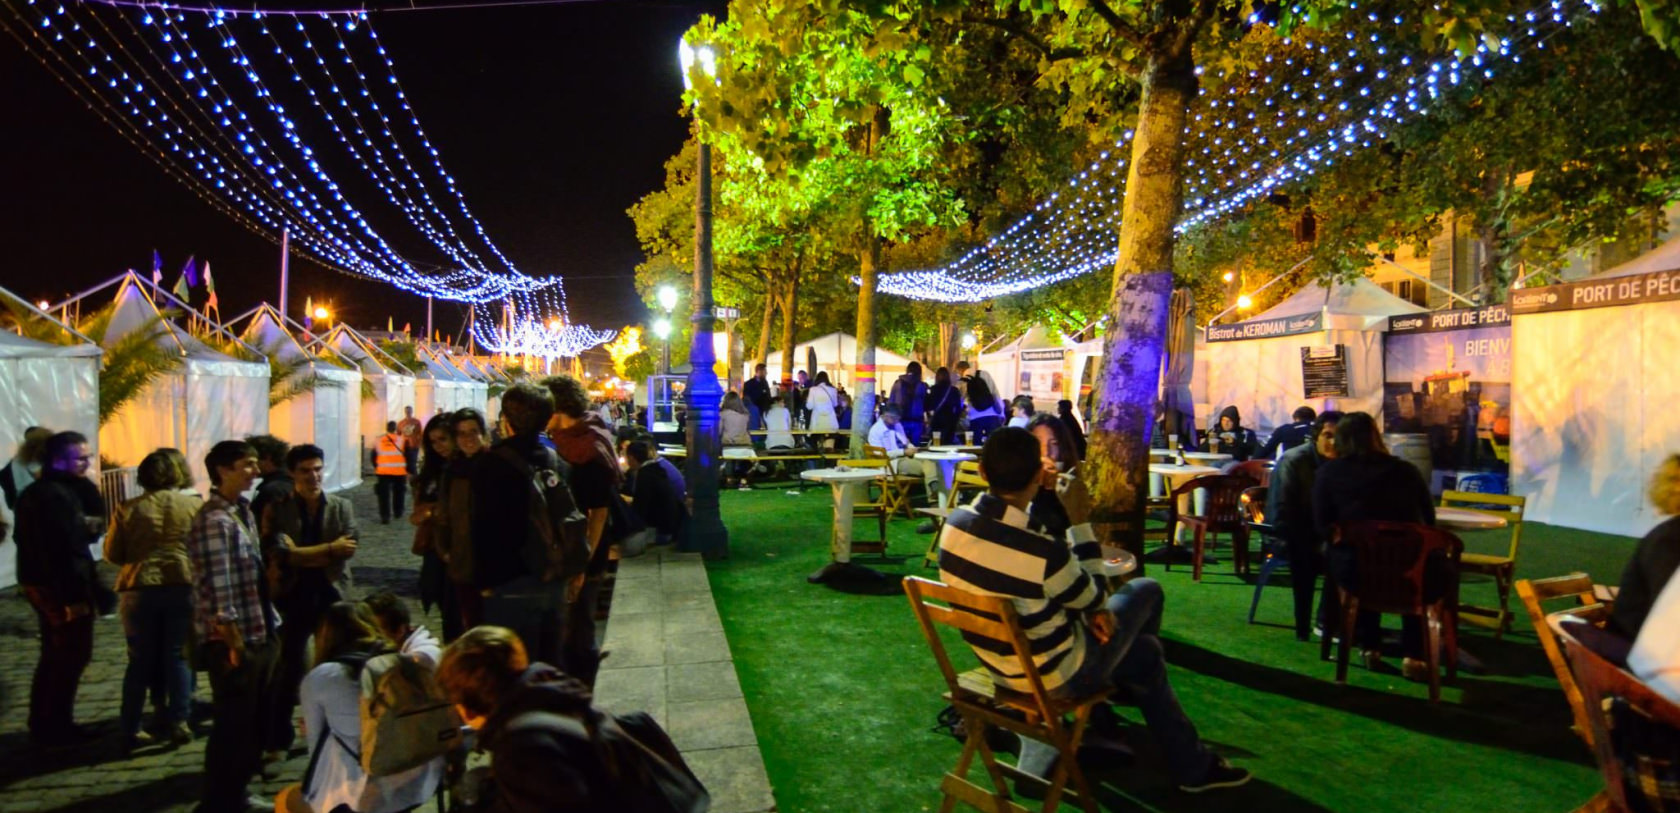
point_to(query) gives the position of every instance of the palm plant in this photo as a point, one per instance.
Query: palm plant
(131, 363)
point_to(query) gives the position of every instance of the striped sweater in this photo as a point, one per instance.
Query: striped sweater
(992, 548)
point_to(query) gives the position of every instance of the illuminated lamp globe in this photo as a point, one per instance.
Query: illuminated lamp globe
(322, 313)
(43, 304)
(554, 324)
(1244, 302)
(667, 298)
(662, 328)
(1229, 276)
(968, 341)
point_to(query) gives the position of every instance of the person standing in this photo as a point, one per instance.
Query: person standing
(821, 401)
(58, 516)
(409, 428)
(756, 392)
(943, 407)
(587, 449)
(431, 528)
(149, 541)
(237, 627)
(1064, 411)
(307, 538)
(1289, 510)
(25, 466)
(390, 465)
(985, 415)
(458, 509)
(909, 394)
(273, 482)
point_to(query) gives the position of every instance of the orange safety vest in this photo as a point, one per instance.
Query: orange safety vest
(389, 458)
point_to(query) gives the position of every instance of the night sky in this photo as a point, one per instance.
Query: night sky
(553, 119)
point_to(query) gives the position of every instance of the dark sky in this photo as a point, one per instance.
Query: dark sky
(553, 119)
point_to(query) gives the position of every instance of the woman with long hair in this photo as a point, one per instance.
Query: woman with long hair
(1063, 500)
(733, 421)
(984, 412)
(822, 401)
(431, 525)
(1064, 410)
(943, 407)
(149, 540)
(331, 699)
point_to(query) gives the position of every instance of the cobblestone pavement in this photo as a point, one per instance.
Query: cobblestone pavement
(98, 776)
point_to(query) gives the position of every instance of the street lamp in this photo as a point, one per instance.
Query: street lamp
(968, 341)
(706, 533)
(667, 298)
(662, 329)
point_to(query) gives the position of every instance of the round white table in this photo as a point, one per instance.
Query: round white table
(955, 448)
(845, 483)
(1468, 519)
(1172, 476)
(947, 469)
(1208, 458)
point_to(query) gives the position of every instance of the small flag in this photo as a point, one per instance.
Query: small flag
(388, 327)
(408, 327)
(210, 286)
(190, 275)
(309, 312)
(181, 290)
(157, 269)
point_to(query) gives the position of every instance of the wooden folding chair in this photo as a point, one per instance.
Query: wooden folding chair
(938, 516)
(871, 506)
(982, 704)
(897, 486)
(967, 484)
(1651, 718)
(1578, 586)
(1503, 569)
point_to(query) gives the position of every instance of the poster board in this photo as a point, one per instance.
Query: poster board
(1324, 372)
(1041, 375)
(1447, 375)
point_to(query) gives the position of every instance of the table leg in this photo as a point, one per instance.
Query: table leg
(840, 537)
(947, 473)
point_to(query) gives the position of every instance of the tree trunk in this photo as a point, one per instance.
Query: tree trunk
(764, 329)
(949, 344)
(1117, 462)
(790, 314)
(863, 390)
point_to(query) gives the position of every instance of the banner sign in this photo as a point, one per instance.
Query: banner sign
(1044, 355)
(1658, 287)
(1042, 373)
(1267, 328)
(1450, 320)
(1447, 377)
(1324, 372)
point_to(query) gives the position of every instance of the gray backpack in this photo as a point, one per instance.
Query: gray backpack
(407, 720)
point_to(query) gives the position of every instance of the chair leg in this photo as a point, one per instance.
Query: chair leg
(1239, 550)
(1350, 611)
(989, 759)
(1503, 580)
(1260, 584)
(1196, 556)
(1449, 614)
(1432, 650)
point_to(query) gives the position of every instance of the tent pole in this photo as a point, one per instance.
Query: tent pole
(428, 315)
(285, 243)
(1426, 281)
(1268, 284)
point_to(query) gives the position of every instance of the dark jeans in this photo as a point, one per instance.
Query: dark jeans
(299, 614)
(979, 428)
(912, 431)
(1306, 564)
(535, 611)
(240, 700)
(156, 620)
(755, 417)
(66, 648)
(1132, 659)
(389, 490)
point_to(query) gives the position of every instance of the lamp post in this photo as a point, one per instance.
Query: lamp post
(706, 533)
(662, 329)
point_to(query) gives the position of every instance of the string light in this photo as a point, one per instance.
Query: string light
(1316, 102)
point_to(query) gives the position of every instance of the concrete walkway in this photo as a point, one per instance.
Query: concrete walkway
(668, 657)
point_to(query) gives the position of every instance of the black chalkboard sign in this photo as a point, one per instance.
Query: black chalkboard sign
(1324, 372)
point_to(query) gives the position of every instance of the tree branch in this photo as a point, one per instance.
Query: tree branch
(1038, 43)
(1192, 28)
(1121, 28)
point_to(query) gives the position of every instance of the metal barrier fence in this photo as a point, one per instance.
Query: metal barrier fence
(117, 486)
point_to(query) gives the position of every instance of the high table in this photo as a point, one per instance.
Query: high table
(947, 469)
(955, 448)
(1468, 519)
(1208, 458)
(1173, 476)
(845, 483)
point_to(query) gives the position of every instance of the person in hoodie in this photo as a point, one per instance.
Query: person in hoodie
(530, 718)
(909, 394)
(1231, 437)
(586, 445)
(397, 625)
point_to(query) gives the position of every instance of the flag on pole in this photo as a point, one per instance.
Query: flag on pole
(309, 312)
(407, 327)
(388, 327)
(188, 272)
(181, 290)
(157, 269)
(210, 286)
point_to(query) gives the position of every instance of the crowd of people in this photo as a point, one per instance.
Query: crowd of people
(250, 586)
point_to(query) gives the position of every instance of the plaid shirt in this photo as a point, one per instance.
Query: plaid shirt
(228, 571)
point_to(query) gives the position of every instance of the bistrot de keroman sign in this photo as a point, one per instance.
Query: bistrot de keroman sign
(1598, 293)
(1267, 328)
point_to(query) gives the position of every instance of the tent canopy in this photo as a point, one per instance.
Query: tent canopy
(837, 355)
(1357, 305)
(1665, 257)
(329, 415)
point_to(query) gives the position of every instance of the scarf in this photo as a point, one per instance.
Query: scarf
(587, 440)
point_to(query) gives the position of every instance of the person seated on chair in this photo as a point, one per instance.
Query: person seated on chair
(1290, 435)
(1020, 411)
(658, 499)
(1656, 557)
(1082, 645)
(1231, 437)
(1289, 510)
(888, 434)
(1364, 483)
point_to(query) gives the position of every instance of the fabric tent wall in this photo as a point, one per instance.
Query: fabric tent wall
(393, 389)
(837, 355)
(1592, 403)
(326, 416)
(44, 385)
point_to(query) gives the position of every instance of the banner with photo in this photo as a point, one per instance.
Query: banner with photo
(1447, 376)
(1042, 376)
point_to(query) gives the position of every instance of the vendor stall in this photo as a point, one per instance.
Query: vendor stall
(837, 355)
(392, 383)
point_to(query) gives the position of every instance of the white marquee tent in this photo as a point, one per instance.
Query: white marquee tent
(44, 384)
(1259, 368)
(441, 387)
(328, 415)
(837, 355)
(476, 379)
(1033, 364)
(1593, 392)
(393, 384)
(212, 397)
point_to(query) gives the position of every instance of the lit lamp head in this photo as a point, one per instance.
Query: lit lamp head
(688, 55)
(322, 313)
(1244, 302)
(968, 341)
(662, 328)
(667, 299)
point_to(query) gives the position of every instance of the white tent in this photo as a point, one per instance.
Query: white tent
(477, 382)
(1036, 364)
(212, 397)
(329, 415)
(440, 387)
(41, 384)
(393, 385)
(837, 355)
(486, 372)
(1256, 365)
(1593, 392)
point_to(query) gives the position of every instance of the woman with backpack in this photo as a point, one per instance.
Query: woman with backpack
(331, 697)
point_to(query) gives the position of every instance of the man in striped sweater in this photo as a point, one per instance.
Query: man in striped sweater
(1081, 644)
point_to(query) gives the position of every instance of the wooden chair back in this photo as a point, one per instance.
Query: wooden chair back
(1600, 680)
(966, 481)
(1509, 506)
(1393, 558)
(937, 604)
(1253, 504)
(1579, 587)
(1222, 510)
(1260, 471)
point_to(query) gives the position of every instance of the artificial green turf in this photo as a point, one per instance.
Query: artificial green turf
(843, 690)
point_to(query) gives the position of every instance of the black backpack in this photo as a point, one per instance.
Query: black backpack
(556, 547)
(645, 769)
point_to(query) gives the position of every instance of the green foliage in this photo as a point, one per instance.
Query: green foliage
(404, 353)
(131, 363)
